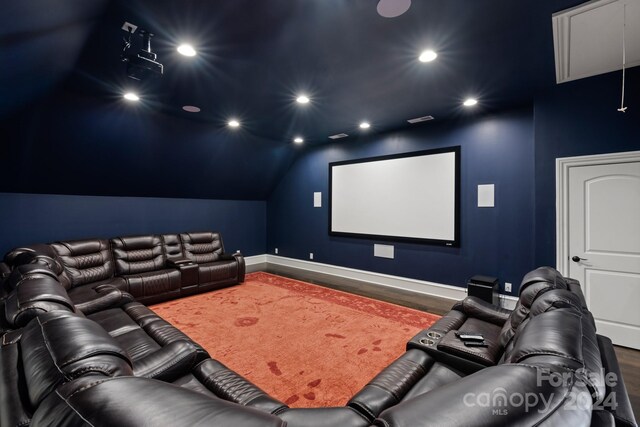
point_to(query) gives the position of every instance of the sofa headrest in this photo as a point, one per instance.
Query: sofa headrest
(137, 254)
(554, 299)
(35, 295)
(535, 283)
(85, 261)
(543, 274)
(57, 347)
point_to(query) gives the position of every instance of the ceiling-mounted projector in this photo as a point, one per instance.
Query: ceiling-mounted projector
(141, 65)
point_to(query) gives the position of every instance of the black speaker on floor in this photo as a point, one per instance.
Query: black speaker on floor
(485, 288)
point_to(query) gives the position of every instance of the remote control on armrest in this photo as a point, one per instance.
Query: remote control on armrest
(469, 336)
(475, 344)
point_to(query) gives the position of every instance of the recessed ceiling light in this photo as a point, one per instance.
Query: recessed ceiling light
(302, 99)
(191, 109)
(186, 50)
(298, 140)
(427, 56)
(364, 125)
(234, 123)
(469, 102)
(130, 96)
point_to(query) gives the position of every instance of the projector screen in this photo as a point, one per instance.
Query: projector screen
(407, 197)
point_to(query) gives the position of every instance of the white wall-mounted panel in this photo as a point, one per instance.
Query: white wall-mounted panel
(486, 195)
(383, 251)
(588, 38)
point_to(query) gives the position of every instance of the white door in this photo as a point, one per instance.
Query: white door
(604, 245)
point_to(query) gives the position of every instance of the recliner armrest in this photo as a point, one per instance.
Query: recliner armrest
(167, 364)
(480, 309)
(622, 411)
(231, 386)
(34, 296)
(176, 263)
(241, 266)
(4, 271)
(497, 396)
(392, 384)
(107, 296)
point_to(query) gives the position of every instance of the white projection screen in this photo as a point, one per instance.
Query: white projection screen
(407, 197)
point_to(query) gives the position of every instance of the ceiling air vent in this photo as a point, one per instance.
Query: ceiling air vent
(420, 119)
(338, 136)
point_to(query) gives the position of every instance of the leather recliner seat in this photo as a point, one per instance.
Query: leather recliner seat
(140, 261)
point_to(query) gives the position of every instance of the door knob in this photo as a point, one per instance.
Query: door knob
(576, 258)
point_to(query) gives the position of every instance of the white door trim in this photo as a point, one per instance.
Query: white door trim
(563, 165)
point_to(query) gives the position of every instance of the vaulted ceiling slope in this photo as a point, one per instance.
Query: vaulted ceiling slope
(254, 57)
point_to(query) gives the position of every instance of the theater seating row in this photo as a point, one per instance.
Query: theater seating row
(122, 364)
(152, 268)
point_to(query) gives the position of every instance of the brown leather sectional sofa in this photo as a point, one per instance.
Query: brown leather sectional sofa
(152, 268)
(111, 361)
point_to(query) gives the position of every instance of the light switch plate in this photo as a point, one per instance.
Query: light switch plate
(317, 199)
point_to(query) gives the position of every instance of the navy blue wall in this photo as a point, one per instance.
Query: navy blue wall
(34, 218)
(575, 119)
(496, 241)
(69, 144)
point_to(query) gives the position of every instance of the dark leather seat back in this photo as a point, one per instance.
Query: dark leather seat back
(58, 347)
(562, 338)
(84, 261)
(202, 247)
(534, 284)
(172, 247)
(137, 254)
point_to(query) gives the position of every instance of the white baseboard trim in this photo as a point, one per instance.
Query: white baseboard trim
(419, 286)
(451, 292)
(255, 259)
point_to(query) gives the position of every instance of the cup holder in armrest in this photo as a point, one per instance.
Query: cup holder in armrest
(428, 341)
(431, 339)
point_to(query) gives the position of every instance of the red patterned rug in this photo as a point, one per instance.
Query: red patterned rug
(306, 345)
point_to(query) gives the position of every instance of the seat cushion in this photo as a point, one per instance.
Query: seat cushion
(149, 284)
(219, 271)
(127, 332)
(439, 374)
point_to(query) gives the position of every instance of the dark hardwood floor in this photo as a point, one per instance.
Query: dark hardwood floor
(629, 359)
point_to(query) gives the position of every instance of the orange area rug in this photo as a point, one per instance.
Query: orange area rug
(307, 345)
